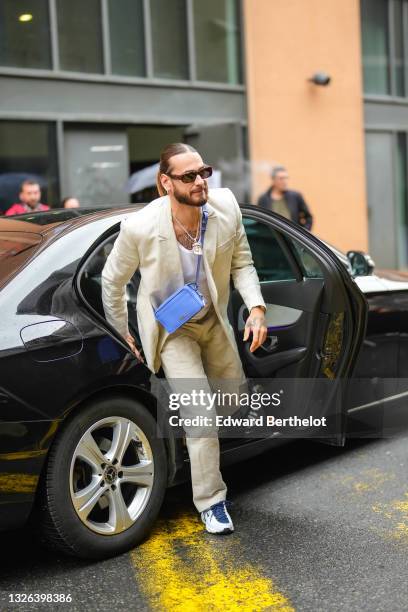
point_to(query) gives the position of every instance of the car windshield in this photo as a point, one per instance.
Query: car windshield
(16, 248)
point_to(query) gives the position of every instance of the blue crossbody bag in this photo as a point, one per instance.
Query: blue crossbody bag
(184, 303)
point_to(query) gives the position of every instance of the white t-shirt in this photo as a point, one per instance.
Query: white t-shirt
(189, 266)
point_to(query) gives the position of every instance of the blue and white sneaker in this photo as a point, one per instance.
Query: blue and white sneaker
(217, 520)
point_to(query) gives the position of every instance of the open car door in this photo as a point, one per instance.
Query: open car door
(316, 314)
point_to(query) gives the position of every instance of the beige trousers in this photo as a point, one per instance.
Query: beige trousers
(199, 352)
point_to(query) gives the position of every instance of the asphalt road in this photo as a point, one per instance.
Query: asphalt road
(317, 529)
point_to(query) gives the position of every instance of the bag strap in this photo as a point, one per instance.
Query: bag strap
(204, 219)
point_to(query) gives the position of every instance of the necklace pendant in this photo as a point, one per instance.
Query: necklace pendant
(197, 248)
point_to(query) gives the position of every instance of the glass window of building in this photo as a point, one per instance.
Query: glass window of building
(385, 47)
(376, 60)
(80, 35)
(27, 150)
(25, 34)
(169, 39)
(127, 37)
(402, 198)
(387, 194)
(217, 40)
(398, 63)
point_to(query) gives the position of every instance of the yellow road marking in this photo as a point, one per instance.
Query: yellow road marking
(397, 512)
(182, 569)
(368, 480)
(18, 483)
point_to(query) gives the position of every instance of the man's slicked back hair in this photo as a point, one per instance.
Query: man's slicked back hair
(169, 151)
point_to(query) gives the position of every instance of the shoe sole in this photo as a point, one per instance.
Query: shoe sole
(225, 531)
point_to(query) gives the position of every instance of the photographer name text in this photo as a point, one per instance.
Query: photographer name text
(260, 421)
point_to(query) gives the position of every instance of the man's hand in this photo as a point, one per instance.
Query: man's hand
(255, 323)
(131, 342)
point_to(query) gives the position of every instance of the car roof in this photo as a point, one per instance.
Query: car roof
(55, 221)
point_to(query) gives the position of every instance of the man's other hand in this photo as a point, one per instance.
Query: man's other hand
(255, 323)
(131, 342)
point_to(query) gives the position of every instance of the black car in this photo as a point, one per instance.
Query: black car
(79, 454)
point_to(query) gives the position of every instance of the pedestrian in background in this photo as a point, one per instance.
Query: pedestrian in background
(279, 199)
(30, 196)
(70, 202)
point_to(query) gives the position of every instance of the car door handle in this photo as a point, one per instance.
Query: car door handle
(266, 364)
(271, 343)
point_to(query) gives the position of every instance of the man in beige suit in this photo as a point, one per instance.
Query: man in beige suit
(162, 241)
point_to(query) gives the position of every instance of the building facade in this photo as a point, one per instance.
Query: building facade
(90, 92)
(385, 71)
(344, 144)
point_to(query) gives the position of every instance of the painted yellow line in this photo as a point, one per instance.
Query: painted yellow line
(181, 568)
(18, 483)
(397, 512)
(367, 481)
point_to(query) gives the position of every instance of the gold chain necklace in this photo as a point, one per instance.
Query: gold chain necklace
(196, 245)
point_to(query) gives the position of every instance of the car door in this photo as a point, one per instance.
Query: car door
(90, 280)
(376, 381)
(316, 315)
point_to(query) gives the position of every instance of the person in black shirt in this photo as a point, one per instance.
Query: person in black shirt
(290, 204)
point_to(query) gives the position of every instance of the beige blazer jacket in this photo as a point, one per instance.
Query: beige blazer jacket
(147, 241)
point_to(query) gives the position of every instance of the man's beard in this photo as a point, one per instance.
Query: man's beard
(183, 199)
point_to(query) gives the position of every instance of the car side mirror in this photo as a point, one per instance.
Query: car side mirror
(361, 263)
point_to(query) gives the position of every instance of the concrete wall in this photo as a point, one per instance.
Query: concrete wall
(87, 99)
(317, 132)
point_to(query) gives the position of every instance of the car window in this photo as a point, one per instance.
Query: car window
(270, 260)
(308, 262)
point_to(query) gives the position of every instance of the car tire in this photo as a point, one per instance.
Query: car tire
(63, 523)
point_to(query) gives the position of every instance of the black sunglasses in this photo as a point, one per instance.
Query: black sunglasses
(190, 177)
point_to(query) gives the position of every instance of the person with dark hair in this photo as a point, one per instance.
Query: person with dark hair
(190, 234)
(70, 202)
(30, 195)
(290, 204)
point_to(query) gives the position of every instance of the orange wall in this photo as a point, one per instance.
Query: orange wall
(316, 132)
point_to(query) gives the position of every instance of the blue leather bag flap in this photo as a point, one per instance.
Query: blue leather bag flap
(179, 307)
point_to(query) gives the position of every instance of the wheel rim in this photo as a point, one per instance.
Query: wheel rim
(111, 475)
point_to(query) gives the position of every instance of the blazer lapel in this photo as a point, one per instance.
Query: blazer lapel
(171, 270)
(210, 238)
